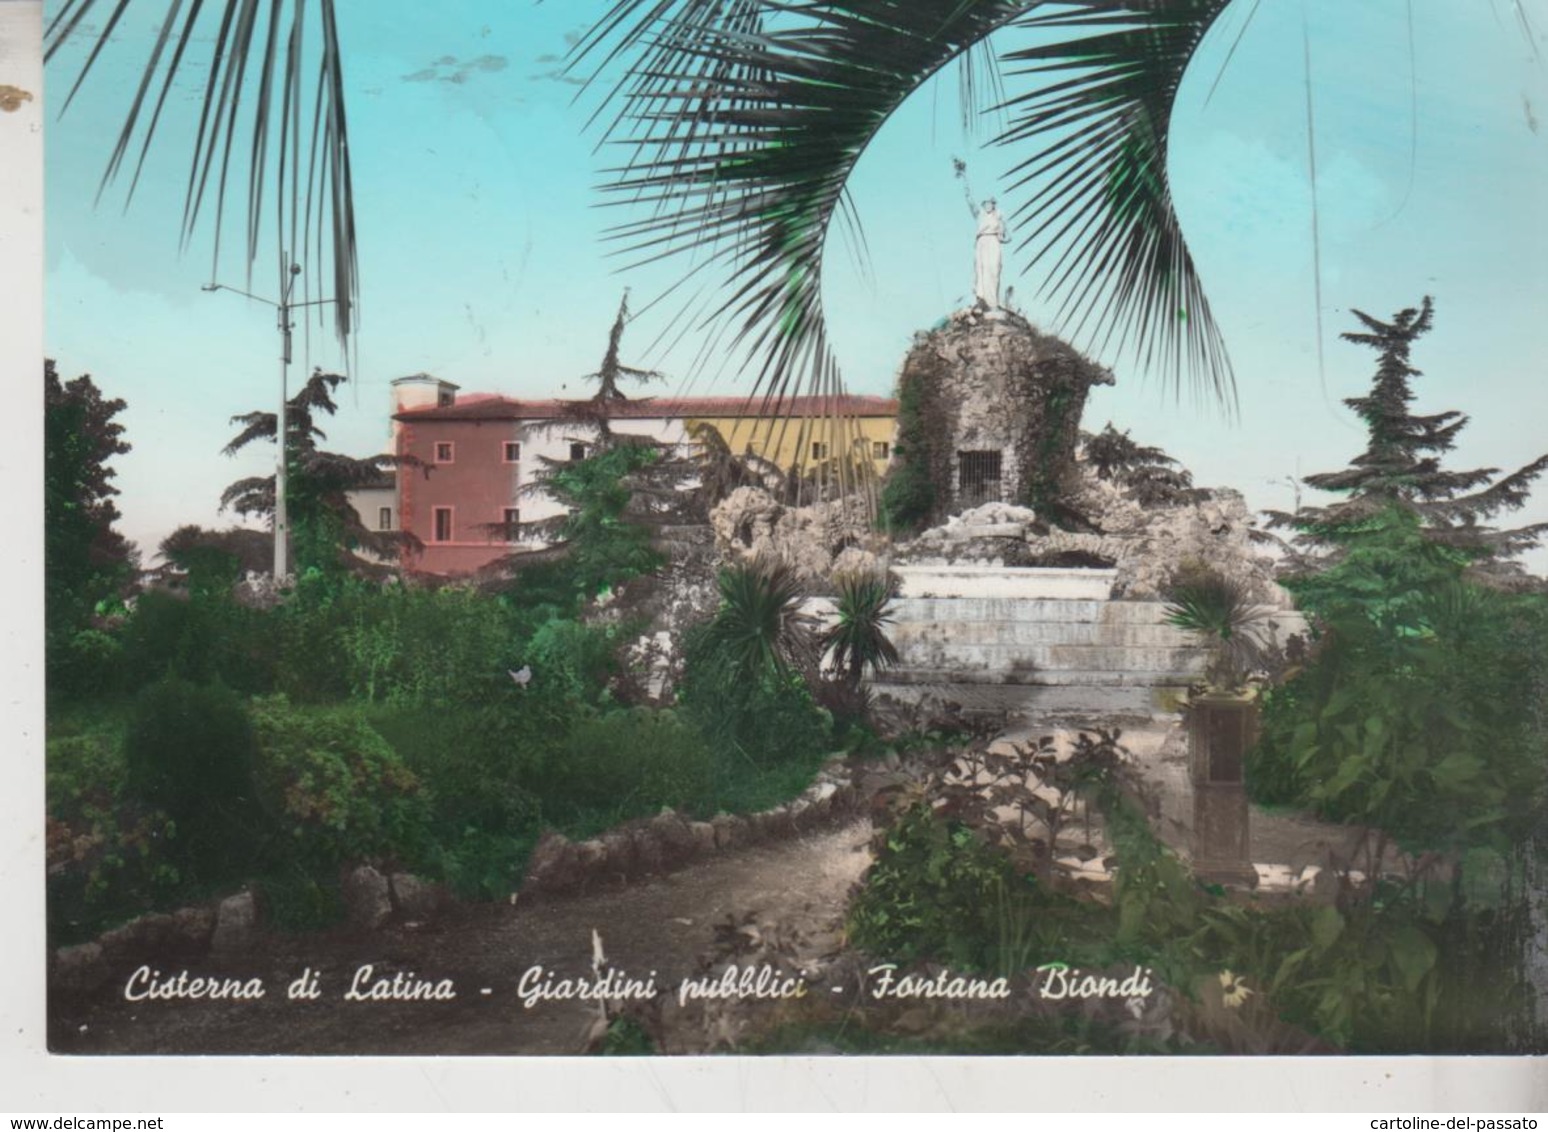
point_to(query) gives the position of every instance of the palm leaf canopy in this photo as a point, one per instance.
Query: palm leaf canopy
(742, 121)
(295, 159)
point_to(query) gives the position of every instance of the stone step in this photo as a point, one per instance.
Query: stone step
(1101, 701)
(1004, 582)
(960, 656)
(1046, 677)
(1054, 610)
(1039, 633)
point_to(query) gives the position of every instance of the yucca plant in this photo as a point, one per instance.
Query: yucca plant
(1218, 610)
(760, 628)
(858, 640)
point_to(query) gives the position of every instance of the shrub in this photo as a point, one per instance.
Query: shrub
(202, 638)
(346, 637)
(634, 762)
(83, 773)
(480, 767)
(1422, 729)
(86, 663)
(758, 721)
(190, 752)
(936, 892)
(574, 661)
(339, 792)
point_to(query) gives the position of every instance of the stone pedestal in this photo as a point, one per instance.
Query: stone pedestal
(1222, 841)
(1222, 727)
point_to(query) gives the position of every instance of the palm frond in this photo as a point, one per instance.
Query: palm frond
(1096, 194)
(743, 119)
(252, 82)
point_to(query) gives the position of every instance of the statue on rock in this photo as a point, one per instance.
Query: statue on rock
(987, 255)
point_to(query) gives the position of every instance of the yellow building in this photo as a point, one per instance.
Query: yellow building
(811, 434)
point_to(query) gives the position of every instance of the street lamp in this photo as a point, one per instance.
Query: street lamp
(288, 273)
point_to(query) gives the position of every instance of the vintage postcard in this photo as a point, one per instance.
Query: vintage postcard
(846, 528)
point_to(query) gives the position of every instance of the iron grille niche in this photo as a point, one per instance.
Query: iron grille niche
(978, 478)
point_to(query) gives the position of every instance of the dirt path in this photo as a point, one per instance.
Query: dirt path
(663, 925)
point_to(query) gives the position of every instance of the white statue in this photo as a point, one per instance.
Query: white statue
(986, 256)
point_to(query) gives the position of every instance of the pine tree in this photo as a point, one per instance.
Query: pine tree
(1401, 465)
(324, 526)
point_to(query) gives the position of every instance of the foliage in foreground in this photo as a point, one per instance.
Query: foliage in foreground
(1426, 963)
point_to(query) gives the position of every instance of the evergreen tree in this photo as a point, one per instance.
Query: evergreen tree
(615, 491)
(1401, 465)
(85, 559)
(1152, 477)
(325, 530)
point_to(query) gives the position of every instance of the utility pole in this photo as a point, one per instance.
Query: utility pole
(288, 273)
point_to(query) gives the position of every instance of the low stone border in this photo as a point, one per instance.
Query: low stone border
(231, 925)
(671, 840)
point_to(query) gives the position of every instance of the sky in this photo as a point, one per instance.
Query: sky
(484, 257)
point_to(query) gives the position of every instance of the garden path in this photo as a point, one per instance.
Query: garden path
(664, 923)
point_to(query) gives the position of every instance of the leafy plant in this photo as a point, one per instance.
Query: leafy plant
(191, 752)
(759, 628)
(337, 790)
(937, 891)
(1219, 611)
(858, 640)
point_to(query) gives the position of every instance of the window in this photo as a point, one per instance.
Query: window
(819, 450)
(444, 451)
(443, 524)
(512, 523)
(978, 478)
(512, 451)
(577, 451)
(384, 519)
(879, 449)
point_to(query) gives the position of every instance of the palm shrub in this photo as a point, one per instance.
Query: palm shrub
(759, 627)
(1218, 610)
(858, 640)
(745, 671)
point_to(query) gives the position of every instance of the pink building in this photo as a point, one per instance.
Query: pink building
(474, 454)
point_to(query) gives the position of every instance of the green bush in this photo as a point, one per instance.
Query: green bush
(938, 892)
(87, 663)
(337, 790)
(752, 721)
(83, 773)
(481, 768)
(1423, 728)
(202, 638)
(633, 762)
(190, 752)
(573, 661)
(397, 644)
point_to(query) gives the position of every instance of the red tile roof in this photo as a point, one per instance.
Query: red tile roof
(483, 407)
